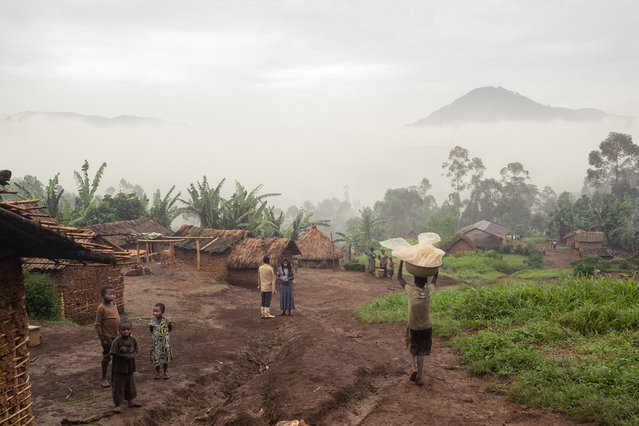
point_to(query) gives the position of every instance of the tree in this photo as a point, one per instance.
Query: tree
(120, 207)
(302, 223)
(86, 190)
(562, 219)
(245, 209)
(350, 239)
(205, 203)
(518, 196)
(368, 226)
(615, 165)
(402, 210)
(164, 209)
(53, 196)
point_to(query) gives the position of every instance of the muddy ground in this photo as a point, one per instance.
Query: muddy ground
(231, 367)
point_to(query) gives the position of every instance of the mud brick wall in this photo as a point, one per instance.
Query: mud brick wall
(243, 278)
(79, 289)
(588, 245)
(212, 264)
(15, 389)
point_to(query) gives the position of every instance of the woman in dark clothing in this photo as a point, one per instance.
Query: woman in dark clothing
(285, 275)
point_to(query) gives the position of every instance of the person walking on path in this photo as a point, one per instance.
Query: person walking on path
(266, 283)
(419, 332)
(371, 260)
(383, 262)
(286, 275)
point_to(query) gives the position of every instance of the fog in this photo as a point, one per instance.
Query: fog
(308, 97)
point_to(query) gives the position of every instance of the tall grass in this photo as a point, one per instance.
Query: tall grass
(571, 347)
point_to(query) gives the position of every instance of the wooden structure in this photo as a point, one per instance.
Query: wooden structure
(587, 243)
(207, 248)
(125, 233)
(78, 283)
(317, 249)
(246, 257)
(26, 233)
(481, 235)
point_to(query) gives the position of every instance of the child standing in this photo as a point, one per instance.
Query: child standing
(107, 323)
(161, 353)
(391, 267)
(124, 349)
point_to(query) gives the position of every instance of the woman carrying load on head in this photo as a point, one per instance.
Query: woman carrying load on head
(286, 275)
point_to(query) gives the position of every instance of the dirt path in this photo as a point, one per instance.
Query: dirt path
(231, 367)
(557, 258)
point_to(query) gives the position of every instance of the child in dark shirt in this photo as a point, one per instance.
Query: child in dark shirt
(123, 350)
(107, 323)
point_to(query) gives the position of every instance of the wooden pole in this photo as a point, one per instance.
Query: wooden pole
(172, 258)
(148, 253)
(333, 244)
(138, 253)
(197, 254)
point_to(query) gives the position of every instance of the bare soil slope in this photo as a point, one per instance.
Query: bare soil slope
(231, 367)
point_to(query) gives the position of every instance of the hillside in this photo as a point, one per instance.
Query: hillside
(96, 120)
(493, 104)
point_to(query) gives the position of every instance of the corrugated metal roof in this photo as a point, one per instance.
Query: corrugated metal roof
(486, 226)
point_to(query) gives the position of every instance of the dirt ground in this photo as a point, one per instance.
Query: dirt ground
(557, 258)
(231, 367)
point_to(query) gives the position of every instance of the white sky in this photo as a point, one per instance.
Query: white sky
(324, 87)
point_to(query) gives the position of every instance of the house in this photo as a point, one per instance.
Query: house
(246, 257)
(318, 250)
(215, 248)
(587, 243)
(26, 233)
(481, 235)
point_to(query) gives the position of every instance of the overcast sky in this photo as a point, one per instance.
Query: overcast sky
(302, 76)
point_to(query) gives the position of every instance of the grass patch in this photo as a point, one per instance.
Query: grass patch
(571, 346)
(541, 274)
(482, 266)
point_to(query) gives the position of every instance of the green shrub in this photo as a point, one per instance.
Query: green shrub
(587, 266)
(42, 301)
(535, 259)
(354, 266)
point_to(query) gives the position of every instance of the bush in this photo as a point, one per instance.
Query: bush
(354, 266)
(587, 266)
(535, 259)
(42, 301)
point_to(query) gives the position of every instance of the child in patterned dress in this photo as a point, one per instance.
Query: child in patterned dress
(161, 353)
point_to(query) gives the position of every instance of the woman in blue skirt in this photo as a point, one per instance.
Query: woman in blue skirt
(285, 275)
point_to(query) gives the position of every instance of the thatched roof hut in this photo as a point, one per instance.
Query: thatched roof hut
(246, 257)
(482, 234)
(215, 248)
(317, 247)
(125, 232)
(25, 232)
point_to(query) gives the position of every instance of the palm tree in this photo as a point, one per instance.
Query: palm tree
(164, 210)
(368, 225)
(351, 239)
(53, 195)
(205, 203)
(302, 223)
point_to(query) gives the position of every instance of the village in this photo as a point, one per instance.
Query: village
(322, 366)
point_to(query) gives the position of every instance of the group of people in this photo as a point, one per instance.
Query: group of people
(267, 284)
(385, 262)
(119, 346)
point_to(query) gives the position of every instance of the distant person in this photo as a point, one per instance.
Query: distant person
(419, 332)
(286, 275)
(161, 352)
(266, 283)
(383, 262)
(371, 260)
(123, 350)
(107, 326)
(554, 245)
(391, 267)
(5, 177)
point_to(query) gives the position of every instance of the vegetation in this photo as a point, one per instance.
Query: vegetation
(42, 301)
(576, 340)
(483, 266)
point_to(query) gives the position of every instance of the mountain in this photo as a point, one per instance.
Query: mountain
(96, 120)
(493, 104)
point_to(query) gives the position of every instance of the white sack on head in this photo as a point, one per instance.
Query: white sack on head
(424, 253)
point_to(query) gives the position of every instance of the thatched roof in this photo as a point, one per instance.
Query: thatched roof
(314, 245)
(39, 239)
(128, 228)
(249, 252)
(223, 240)
(586, 236)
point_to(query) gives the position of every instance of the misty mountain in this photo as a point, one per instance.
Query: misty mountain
(493, 104)
(95, 120)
